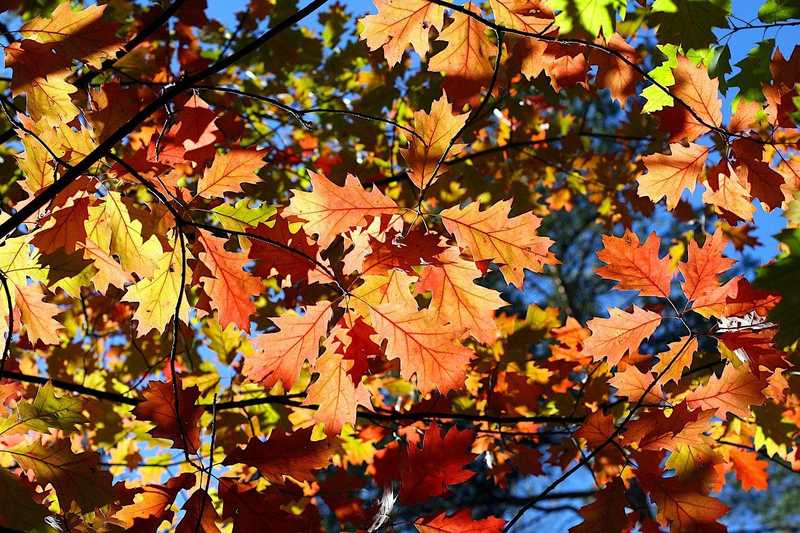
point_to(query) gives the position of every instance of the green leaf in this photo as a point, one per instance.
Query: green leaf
(243, 214)
(719, 65)
(589, 15)
(656, 98)
(777, 10)
(689, 23)
(783, 277)
(45, 412)
(754, 71)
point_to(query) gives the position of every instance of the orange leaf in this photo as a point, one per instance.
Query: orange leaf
(683, 354)
(613, 73)
(751, 472)
(334, 392)
(436, 129)
(38, 316)
(620, 333)
(457, 300)
(461, 522)
(465, 60)
(634, 265)
(228, 286)
(735, 392)
(281, 354)
(329, 210)
(491, 235)
(694, 86)
(154, 506)
(668, 175)
(229, 171)
(425, 347)
(704, 265)
(399, 23)
(631, 383)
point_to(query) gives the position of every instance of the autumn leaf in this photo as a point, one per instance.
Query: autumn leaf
(229, 287)
(76, 34)
(465, 61)
(334, 393)
(676, 359)
(491, 235)
(280, 355)
(426, 349)
(607, 512)
(734, 392)
(27, 512)
(37, 314)
(634, 384)
(329, 210)
(619, 334)
(48, 410)
(293, 455)
(434, 132)
(439, 463)
(229, 171)
(457, 300)
(112, 229)
(461, 521)
(701, 93)
(156, 296)
(704, 265)
(634, 265)
(668, 175)
(615, 74)
(750, 472)
(200, 515)
(154, 502)
(173, 420)
(400, 23)
(75, 477)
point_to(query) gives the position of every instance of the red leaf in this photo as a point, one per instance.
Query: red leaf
(182, 426)
(293, 455)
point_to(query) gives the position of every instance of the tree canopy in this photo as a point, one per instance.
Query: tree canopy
(313, 269)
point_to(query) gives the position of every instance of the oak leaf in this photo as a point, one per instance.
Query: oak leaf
(426, 348)
(490, 235)
(704, 265)
(620, 333)
(461, 521)
(465, 60)
(228, 285)
(153, 503)
(399, 23)
(435, 131)
(634, 265)
(668, 175)
(178, 423)
(280, 355)
(329, 210)
(293, 455)
(751, 472)
(156, 295)
(735, 392)
(439, 463)
(228, 171)
(457, 300)
(74, 477)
